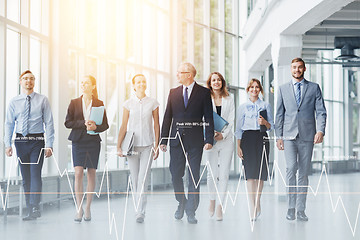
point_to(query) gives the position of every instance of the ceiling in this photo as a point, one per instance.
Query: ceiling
(344, 23)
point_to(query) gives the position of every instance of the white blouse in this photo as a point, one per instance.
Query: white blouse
(86, 111)
(141, 119)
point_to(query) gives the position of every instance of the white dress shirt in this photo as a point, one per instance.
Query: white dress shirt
(190, 88)
(141, 119)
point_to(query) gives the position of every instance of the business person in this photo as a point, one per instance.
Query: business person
(187, 105)
(220, 156)
(85, 147)
(251, 141)
(28, 113)
(141, 116)
(300, 123)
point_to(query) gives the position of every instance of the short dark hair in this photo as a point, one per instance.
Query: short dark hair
(298, 60)
(25, 72)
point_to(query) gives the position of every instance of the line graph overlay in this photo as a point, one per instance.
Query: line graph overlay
(233, 198)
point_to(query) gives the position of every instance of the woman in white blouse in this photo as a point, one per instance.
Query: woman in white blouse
(220, 156)
(251, 141)
(141, 116)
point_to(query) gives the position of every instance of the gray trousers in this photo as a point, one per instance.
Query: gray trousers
(140, 167)
(298, 154)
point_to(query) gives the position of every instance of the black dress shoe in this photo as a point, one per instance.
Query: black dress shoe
(302, 216)
(179, 214)
(33, 214)
(36, 212)
(191, 219)
(290, 214)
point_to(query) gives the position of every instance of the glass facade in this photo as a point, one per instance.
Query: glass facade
(114, 40)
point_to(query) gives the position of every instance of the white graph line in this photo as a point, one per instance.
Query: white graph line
(111, 215)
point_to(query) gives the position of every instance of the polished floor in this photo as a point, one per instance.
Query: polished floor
(160, 224)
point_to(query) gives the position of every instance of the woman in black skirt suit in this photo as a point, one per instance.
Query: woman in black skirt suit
(251, 141)
(85, 147)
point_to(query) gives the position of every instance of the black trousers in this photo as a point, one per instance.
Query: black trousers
(31, 160)
(177, 169)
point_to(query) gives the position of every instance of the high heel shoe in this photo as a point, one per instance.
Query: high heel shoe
(219, 213)
(79, 216)
(212, 208)
(87, 217)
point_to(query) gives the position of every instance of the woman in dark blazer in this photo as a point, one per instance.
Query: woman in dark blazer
(85, 147)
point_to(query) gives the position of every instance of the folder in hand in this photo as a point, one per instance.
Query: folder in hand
(263, 113)
(96, 115)
(219, 123)
(128, 143)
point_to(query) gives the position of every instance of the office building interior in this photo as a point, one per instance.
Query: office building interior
(61, 41)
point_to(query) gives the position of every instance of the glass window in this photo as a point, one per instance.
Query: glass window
(130, 31)
(111, 29)
(184, 41)
(72, 84)
(112, 115)
(2, 8)
(199, 11)
(163, 42)
(12, 64)
(13, 10)
(355, 122)
(214, 13)
(199, 52)
(149, 36)
(164, 4)
(91, 66)
(229, 46)
(337, 83)
(229, 6)
(214, 50)
(35, 15)
(35, 61)
(91, 26)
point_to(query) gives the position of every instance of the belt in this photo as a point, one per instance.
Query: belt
(30, 135)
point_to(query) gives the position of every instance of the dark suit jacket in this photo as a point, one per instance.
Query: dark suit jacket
(75, 120)
(199, 107)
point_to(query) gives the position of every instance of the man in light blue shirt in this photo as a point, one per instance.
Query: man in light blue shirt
(28, 113)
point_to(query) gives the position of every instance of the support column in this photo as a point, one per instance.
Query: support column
(283, 49)
(59, 36)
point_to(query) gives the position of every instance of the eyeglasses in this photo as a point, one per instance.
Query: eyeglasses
(182, 72)
(28, 78)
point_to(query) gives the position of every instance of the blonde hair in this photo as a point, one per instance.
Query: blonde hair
(258, 82)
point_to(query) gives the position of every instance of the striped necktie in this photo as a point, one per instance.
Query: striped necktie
(298, 93)
(25, 127)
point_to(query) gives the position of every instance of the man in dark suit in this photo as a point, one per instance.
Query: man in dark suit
(189, 107)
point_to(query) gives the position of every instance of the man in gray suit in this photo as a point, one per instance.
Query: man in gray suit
(300, 123)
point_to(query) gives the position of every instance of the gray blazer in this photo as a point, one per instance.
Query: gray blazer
(305, 120)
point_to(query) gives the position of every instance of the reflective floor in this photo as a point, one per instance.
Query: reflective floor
(160, 223)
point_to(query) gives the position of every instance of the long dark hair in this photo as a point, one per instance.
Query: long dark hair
(224, 92)
(93, 82)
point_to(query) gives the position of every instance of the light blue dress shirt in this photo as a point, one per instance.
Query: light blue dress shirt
(248, 114)
(40, 115)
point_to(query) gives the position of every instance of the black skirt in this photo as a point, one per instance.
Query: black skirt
(252, 144)
(86, 154)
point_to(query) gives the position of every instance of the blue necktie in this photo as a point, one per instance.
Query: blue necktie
(186, 98)
(25, 127)
(298, 93)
